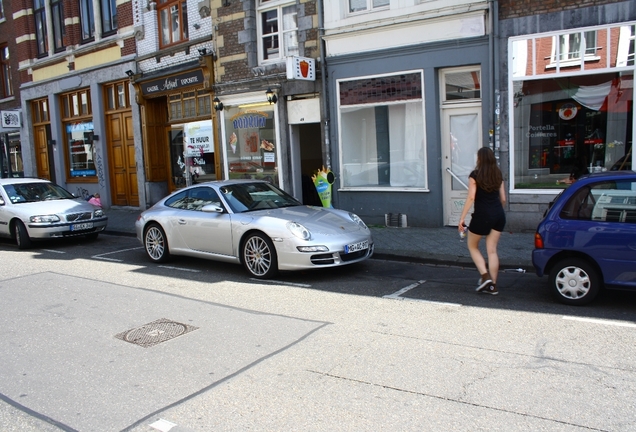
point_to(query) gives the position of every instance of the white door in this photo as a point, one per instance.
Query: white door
(461, 138)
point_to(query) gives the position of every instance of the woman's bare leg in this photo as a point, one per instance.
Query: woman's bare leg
(475, 253)
(492, 240)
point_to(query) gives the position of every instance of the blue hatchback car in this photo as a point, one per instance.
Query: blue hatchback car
(587, 238)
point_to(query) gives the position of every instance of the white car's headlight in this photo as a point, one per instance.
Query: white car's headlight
(44, 219)
(356, 219)
(98, 213)
(298, 230)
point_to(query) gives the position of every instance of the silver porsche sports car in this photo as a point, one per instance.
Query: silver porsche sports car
(35, 209)
(253, 223)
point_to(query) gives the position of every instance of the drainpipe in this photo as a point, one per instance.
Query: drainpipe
(324, 105)
(495, 96)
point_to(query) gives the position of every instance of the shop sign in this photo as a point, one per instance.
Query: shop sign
(174, 82)
(301, 68)
(10, 119)
(198, 138)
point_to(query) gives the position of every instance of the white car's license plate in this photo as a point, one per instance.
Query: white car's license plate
(82, 226)
(355, 247)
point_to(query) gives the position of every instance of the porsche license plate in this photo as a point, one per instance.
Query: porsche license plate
(355, 247)
(82, 226)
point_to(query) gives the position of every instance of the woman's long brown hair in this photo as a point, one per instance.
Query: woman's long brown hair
(489, 175)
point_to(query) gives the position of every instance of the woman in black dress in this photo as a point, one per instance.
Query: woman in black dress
(486, 192)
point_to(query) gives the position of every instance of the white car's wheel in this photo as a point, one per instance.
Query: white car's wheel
(22, 238)
(575, 281)
(259, 256)
(156, 243)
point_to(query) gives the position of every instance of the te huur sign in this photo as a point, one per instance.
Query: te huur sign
(175, 82)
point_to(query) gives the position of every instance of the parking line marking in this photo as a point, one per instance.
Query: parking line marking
(54, 251)
(180, 268)
(398, 295)
(107, 259)
(117, 251)
(282, 282)
(600, 321)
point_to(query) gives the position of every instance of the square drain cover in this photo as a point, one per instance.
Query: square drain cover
(155, 332)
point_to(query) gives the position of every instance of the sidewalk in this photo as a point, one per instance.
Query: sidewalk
(429, 245)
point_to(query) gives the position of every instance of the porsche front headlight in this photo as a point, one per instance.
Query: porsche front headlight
(298, 230)
(354, 217)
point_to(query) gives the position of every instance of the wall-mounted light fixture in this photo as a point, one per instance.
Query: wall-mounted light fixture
(196, 26)
(218, 105)
(130, 73)
(203, 51)
(271, 96)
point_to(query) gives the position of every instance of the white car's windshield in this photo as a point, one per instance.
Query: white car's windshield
(256, 196)
(35, 192)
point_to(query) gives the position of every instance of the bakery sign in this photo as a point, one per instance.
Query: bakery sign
(175, 82)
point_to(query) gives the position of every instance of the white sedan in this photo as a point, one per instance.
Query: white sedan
(36, 209)
(253, 223)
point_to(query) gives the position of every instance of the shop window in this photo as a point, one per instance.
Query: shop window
(87, 20)
(203, 103)
(57, 19)
(568, 123)
(108, 16)
(7, 84)
(78, 132)
(41, 38)
(278, 31)
(251, 146)
(382, 132)
(367, 5)
(173, 22)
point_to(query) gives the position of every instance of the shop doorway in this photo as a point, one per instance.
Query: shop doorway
(307, 156)
(121, 147)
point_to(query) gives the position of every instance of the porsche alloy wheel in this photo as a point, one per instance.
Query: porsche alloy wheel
(156, 244)
(259, 256)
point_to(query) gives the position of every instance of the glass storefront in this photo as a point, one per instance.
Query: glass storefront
(572, 105)
(11, 156)
(251, 146)
(192, 153)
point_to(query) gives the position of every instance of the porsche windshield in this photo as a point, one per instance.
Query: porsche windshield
(242, 197)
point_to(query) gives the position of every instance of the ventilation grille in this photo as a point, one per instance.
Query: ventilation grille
(395, 220)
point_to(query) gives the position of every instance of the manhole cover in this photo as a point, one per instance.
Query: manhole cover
(155, 332)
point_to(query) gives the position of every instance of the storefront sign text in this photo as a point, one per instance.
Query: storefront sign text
(174, 82)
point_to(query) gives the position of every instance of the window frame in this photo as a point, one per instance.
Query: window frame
(7, 80)
(401, 101)
(182, 14)
(57, 22)
(265, 7)
(87, 21)
(76, 110)
(41, 28)
(370, 7)
(108, 8)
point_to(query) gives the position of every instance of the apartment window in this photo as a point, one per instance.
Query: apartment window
(382, 132)
(279, 31)
(87, 20)
(367, 5)
(41, 39)
(2, 17)
(173, 22)
(7, 85)
(109, 17)
(57, 18)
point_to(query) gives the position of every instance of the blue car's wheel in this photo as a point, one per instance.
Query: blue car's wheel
(575, 281)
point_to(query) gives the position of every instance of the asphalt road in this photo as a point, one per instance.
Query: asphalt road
(381, 345)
